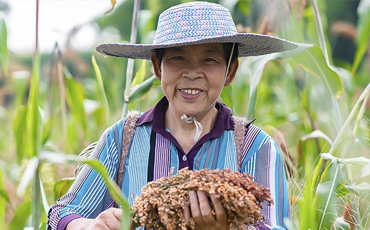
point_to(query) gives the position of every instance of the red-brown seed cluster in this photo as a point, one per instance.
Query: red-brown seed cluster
(161, 204)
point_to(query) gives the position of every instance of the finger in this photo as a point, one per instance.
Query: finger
(194, 207)
(115, 221)
(97, 226)
(117, 213)
(194, 204)
(205, 207)
(221, 215)
(109, 218)
(114, 224)
(187, 213)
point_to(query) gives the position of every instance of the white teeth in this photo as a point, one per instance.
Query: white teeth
(190, 91)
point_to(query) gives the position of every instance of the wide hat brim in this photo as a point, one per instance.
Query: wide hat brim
(249, 44)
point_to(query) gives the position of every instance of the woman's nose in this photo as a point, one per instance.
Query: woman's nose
(194, 71)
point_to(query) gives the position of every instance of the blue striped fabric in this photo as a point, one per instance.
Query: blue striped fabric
(88, 196)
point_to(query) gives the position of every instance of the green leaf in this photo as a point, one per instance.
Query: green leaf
(156, 82)
(140, 90)
(326, 194)
(141, 74)
(46, 131)
(115, 192)
(4, 54)
(28, 175)
(43, 225)
(244, 6)
(36, 200)
(363, 188)
(62, 186)
(20, 80)
(326, 205)
(44, 200)
(33, 113)
(307, 205)
(73, 142)
(289, 224)
(240, 91)
(307, 152)
(20, 132)
(318, 171)
(328, 156)
(363, 97)
(363, 32)
(317, 134)
(59, 158)
(313, 61)
(341, 224)
(365, 171)
(257, 67)
(4, 195)
(113, 188)
(227, 96)
(101, 90)
(75, 99)
(21, 216)
(356, 161)
(357, 216)
(3, 198)
(342, 190)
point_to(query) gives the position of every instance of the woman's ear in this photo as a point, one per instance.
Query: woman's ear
(156, 66)
(234, 65)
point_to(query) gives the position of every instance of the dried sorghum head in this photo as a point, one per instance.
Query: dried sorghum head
(161, 204)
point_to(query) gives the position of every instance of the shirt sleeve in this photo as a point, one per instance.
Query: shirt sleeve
(264, 162)
(88, 196)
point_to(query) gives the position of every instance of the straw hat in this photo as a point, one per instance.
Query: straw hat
(198, 23)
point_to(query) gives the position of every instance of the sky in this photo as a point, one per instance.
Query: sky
(56, 20)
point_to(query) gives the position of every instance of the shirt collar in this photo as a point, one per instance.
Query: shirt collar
(156, 115)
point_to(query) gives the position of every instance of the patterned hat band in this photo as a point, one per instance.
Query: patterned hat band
(198, 23)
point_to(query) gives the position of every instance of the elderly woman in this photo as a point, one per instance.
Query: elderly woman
(194, 55)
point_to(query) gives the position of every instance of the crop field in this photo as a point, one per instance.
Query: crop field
(314, 101)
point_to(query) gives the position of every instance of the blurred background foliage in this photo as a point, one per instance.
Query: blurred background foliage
(314, 101)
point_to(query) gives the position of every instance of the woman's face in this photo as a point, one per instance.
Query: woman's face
(193, 76)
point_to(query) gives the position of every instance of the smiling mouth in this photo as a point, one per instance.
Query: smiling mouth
(191, 91)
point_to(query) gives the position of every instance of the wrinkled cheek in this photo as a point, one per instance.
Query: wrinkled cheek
(168, 90)
(219, 87)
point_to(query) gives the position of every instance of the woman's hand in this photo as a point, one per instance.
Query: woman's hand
(200, 210)
(109, 219)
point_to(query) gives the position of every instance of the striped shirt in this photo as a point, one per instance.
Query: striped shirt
(153, 151)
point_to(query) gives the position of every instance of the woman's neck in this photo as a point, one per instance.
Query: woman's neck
(185, 132)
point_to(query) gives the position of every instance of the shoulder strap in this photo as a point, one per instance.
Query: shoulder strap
(128, 133)
(240, 127)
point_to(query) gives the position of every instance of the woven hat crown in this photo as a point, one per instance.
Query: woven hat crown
(193, 21)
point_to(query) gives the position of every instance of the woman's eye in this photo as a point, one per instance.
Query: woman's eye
(178, 57)
(211, 60)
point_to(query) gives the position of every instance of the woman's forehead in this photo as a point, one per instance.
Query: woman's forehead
(202, 48)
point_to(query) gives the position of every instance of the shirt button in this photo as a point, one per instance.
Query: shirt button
(184, 158)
